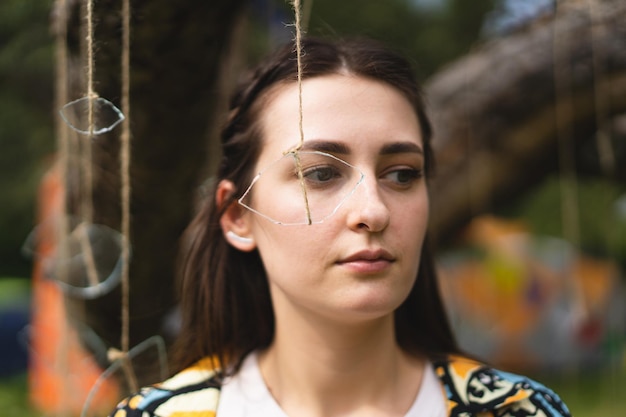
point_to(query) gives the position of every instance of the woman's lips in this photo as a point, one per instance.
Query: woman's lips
(368, 261)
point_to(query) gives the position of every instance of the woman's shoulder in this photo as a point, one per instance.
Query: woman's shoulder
(193, 390)
(473, 388)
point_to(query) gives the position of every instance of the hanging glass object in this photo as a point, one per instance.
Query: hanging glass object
(145, 352)
(86, 263)
(105, 115)
(76, 370)
(89, 339)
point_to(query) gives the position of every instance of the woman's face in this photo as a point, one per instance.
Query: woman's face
(361, 261)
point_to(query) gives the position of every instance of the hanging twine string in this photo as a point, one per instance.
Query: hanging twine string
(603, 138)
(125, 196)
(294, 151)
(62, 130)
(602, 106)
(62, 90)
(564, 119)
(298, 40)
(91, 96)
(90, 65)
(87, 203)
(87, 206)
(82, 233)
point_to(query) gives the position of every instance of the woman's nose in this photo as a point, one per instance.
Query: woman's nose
(366, 208)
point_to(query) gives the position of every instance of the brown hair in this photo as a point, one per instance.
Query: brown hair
(225, 299)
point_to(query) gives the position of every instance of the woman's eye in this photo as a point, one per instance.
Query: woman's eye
(405, 176)
(321, 174)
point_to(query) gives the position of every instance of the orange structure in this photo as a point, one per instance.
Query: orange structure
(61, 372)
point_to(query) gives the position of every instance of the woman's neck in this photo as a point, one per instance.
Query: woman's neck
(318, 367)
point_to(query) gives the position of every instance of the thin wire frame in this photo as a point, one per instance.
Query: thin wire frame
(296, 154)
(92, 243)
(106, 115)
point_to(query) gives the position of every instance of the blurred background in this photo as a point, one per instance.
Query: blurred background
(528, 101)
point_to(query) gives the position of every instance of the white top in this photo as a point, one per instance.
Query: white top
(246, 395)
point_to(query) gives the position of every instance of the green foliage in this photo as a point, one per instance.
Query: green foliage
(602, 226)
(26, 133)
(14, 291)
(430, 37)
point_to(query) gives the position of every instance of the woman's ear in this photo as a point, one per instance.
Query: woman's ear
(235, 220)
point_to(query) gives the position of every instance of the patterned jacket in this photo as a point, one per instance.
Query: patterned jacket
(472, 390)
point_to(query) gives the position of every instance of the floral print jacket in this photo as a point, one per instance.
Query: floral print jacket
(472, 389)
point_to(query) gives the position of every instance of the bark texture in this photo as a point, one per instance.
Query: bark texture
(502, 112)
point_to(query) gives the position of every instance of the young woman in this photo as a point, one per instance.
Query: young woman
(308, 286)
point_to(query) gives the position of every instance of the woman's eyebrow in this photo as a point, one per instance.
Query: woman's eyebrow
(401, 147)
(326, 146)
(339, 148)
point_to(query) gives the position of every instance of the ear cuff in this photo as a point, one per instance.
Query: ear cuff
(240, 239)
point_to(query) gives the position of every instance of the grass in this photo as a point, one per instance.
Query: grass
(591, 394)
(14, 291)
(14, 401)
(14, 397)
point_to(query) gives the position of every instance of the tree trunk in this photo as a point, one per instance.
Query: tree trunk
(501, 120)
(177, 52)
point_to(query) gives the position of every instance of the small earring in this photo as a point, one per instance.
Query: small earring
(240, 239)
